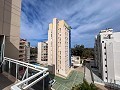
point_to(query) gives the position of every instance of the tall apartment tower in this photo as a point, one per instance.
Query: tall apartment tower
(43, 53)
(10, 11)
(107, 55)
(24, 50)
(59, 40)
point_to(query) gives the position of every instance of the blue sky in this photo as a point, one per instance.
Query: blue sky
(86, 17)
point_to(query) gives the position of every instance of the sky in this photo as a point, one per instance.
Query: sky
(86, 17)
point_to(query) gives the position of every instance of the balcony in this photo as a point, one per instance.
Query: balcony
(25, 75)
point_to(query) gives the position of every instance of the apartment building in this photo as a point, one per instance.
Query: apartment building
(24, 50)
(10, 11)
(43, 53)
(59, 40)
(107, 55)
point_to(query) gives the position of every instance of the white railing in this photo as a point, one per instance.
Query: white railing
(23, 85)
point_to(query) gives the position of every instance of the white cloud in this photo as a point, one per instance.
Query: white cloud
(85, 16)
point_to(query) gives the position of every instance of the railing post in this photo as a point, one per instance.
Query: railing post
(3, 66)
(43, 82)
(9, 68)
(27, 73)
(16, 71)
(24, 84)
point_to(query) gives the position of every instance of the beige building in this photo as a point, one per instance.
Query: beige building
(10, 26)
(59, 47)
(24, 50)
(43, 53)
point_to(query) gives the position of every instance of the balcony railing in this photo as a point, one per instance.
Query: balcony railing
(26, 83)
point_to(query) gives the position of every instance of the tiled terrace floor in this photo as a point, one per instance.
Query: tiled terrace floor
(74, 78)
(5, 83)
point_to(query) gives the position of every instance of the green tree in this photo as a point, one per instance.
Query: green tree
(33, 50)
(80, 50)
(77, 50)
(85, 86)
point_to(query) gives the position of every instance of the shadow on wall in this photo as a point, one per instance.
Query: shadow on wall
(10, 49)
(51, 69)
(12, 52)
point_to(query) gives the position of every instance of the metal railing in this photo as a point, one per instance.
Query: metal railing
(36, 77)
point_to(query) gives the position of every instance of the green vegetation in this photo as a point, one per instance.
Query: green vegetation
(33, 53)
(33, 50)
(85, 86)
(80, 50)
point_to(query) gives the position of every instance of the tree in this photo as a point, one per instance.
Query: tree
(85, 86)
(33, 50)
(77, 50)
(80, 50)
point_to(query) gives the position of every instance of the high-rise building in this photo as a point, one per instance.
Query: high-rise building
(10, 11)
(43, 53)
(10, 65)
(107, 55)
(24, 50)
(59, 40)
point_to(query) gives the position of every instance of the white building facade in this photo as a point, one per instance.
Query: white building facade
(107, 55)
(59, 40)
(43, 53)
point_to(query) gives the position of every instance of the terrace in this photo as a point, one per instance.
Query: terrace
(12, 77)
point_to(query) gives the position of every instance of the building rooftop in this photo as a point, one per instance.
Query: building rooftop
(74, 78)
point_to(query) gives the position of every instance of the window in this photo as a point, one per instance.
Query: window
(104, 47)
(105, 53)
(60, 29)
(106, 77)
(105, 59)
(105, 65)
(105, 71)
(109, 36)
(102, 41)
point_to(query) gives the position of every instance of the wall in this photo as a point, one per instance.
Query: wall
(10, 26)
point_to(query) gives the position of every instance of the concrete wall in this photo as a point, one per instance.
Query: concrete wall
(110, 62)
(10, 26)
(50, 60)
(54, 43)
(39, 52)
(116, 52)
